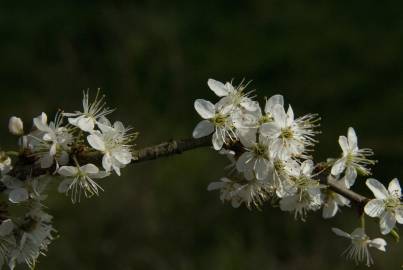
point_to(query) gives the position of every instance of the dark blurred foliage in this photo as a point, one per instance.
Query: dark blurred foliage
(341, 59)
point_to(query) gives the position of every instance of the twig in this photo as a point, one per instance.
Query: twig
(26, 167)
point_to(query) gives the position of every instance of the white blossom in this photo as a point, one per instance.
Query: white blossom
(36, 236)
(16, 126)
(233, 97)
(115, 142)
(256, 160)
(353, 159)
(250, 192)
(386, 205)
(290, 137)
(302, 193)
(53, 143)
(79, 180)
(217, 119)
(332, 201)
(16, 189)
(360, 244)
(92, 112)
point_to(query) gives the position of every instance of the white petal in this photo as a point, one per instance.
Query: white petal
(243, 161)
(89, 168)
(377, 188)
(202, 129)
(344, 145)
(40, 122)
(18, 195)
(204, 108)
(68, 171)
(387, 222)
(290, 115)
(261, 169)
(374, 208)
(215, 186)
(272, 101)
(123, 156)
(352, 139)
(394, 188)
(86, 124)
(249, 105)
(271, 130)
(107, 162)
(279, 115)
(217, 87)
(338, 167)
(307, 167)
(350, 177)
(218, 141)
(330, 209)
(99, 175)
(378, 243)
(64, 185)
(247, 136)
(96, 142)
(399, 215)
(341, 233)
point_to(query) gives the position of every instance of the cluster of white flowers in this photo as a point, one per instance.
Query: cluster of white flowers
(56, 148)
(269, 149)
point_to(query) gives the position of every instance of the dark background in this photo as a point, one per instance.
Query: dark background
(340, 59)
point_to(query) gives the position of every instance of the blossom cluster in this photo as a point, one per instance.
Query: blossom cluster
(270, 153)
(74, 150)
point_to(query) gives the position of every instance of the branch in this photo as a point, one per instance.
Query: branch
(26, 166)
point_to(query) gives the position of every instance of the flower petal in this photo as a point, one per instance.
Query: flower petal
(330, 209)
(218, 141)
(68, 171)
(343, 142)
(341, 233)
(18, 195)
(203, 129)
(86, 124)
(338, 167)
(204, 108)
(217, 87)
(374, 208)
(279, 115)
(261, 169)
(378, 243)
(352, 139)
(96, 142)
(377, 188)
(215, 186)
(272, 101)
(89, 168)
(387, 222)
(394, 188)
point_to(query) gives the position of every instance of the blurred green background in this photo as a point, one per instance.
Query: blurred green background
(340, 59)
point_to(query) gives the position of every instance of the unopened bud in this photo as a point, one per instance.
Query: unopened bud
(16, 126)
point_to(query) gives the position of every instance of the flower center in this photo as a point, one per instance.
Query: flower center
(219, 120)
(392, 203)
(260, 150)
(286, 133)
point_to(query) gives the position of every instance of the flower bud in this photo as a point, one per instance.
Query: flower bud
(15, 126)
